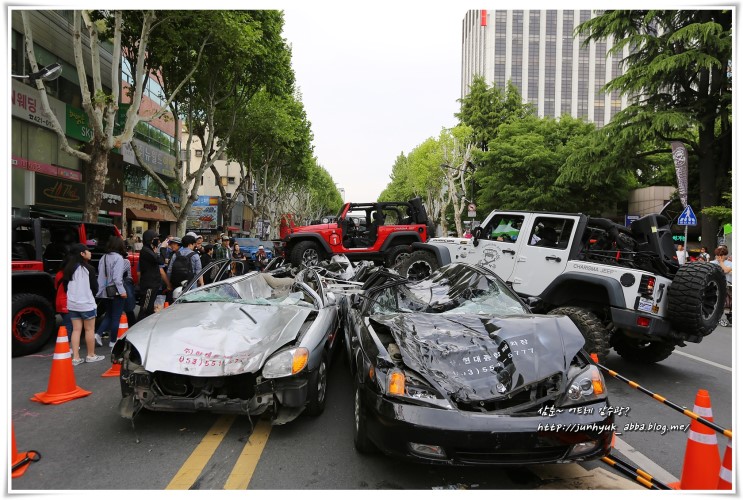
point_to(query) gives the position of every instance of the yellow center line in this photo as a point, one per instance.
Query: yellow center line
(194, 465)
(246, 463)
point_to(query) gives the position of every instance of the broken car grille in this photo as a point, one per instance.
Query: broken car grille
(235, 386)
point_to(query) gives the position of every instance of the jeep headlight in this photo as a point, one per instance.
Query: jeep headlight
(286, 363)
(585, 387)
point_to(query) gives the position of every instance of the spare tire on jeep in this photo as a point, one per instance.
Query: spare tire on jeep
(696, 299)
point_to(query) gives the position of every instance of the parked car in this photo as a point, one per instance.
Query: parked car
(454, 369)
(249, 246)
(248, 345)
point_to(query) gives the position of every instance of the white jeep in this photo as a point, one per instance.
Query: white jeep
(623, 287)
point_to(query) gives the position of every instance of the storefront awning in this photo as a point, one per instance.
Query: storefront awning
(134, 214)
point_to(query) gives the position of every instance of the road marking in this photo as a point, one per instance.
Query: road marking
(702, 360)
(644, 462)
(246, 463)
(194, 465)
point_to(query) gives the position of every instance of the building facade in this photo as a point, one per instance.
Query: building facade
(537, 52)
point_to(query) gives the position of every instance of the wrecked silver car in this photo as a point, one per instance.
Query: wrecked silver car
(248, 344)
(455, 369)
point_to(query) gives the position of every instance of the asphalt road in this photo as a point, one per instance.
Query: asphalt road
(85, 445)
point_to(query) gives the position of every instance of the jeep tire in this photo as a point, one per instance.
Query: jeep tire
(32, 324)
(306, 253)
(696, 298)
(419, 265)
(590, 326)
(641, 351)
(396, 256)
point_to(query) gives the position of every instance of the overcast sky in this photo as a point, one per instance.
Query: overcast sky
(375, 82)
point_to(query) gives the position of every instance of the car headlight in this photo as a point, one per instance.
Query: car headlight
(410, 386)
(286, 363)
(585, 387)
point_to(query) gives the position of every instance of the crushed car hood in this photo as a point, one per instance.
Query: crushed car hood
(211, 339)
(476, 358)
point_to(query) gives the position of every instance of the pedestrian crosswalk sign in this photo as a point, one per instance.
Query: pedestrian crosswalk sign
(687, 217)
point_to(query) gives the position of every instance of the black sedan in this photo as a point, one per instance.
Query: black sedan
(456, 370)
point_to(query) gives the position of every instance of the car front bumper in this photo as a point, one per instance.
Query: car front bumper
(467, 438)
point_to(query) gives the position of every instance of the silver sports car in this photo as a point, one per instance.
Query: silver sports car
(248, 344)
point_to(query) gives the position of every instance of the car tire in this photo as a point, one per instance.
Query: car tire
(590, 326)
(32, 324)
(361, 440)
(696, 298)
(396, 256)
(641, 351)
(306, 253)
(419, 266)
(318, 388)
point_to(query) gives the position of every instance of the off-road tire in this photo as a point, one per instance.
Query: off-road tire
(32, 323)
(641, 351)
(396, 256)
(696, 299)
(361, 440)
(419, 265)
(306, 253)
(592, 329)
(318, 388)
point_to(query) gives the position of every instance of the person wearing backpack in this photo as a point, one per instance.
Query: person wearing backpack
(184, 263)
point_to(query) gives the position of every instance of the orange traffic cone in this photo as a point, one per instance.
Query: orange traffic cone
(115, 369)
(702, 459)
(165, 306)
(62, 387)
(19, 462)
(726, 471)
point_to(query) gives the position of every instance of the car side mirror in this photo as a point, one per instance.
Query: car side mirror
(476, 234)
(177, 293)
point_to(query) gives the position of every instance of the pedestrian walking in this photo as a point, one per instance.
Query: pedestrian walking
(152, 275)
(223, 250)
(111, 288)
(207, 253)
(722, 260)
(138, 244)
(60, 302)
(681, 255)
(184, 263)
(237, 254)
(81, 288)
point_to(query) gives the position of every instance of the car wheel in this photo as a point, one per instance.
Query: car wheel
(397, 256)
(360, 437)
(318, 388)
(590, 326)
(32, 323)
(641, 351)
(306, 253)
(696, 299)
(419, 265)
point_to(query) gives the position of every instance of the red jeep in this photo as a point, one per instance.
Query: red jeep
(381, 232)
(38, 247)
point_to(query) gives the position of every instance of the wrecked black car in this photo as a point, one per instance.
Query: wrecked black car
(456, 370)
(248, 344)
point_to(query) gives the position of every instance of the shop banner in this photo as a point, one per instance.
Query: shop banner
(159, 161)
(26, 104)
(202, 217)
(59, 193)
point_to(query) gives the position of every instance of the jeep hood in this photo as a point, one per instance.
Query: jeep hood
(474, 358)
(211, 339)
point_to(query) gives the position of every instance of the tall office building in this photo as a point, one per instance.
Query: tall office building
(538, 52)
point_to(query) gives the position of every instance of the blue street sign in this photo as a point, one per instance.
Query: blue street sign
(687, 217)
(629, 219)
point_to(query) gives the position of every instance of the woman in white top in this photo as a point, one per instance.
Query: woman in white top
(111, 269)
(138, 244)
(79, 280)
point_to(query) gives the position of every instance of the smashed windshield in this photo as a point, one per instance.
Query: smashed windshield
(451, 290)
(226, 292)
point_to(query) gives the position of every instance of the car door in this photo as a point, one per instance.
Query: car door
(498, 242)
(544, 255)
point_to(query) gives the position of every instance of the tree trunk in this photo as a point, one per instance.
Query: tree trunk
(95, 181)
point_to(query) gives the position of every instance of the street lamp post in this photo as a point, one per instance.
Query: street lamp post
(46, 74)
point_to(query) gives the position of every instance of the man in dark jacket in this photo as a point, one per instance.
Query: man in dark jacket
(151, 273)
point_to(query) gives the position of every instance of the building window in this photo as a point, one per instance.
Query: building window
(230, 180)
(199, 153)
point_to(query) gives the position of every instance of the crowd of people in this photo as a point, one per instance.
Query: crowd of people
(164, 264)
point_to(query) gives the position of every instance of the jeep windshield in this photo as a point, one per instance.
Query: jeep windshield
(450, 290)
